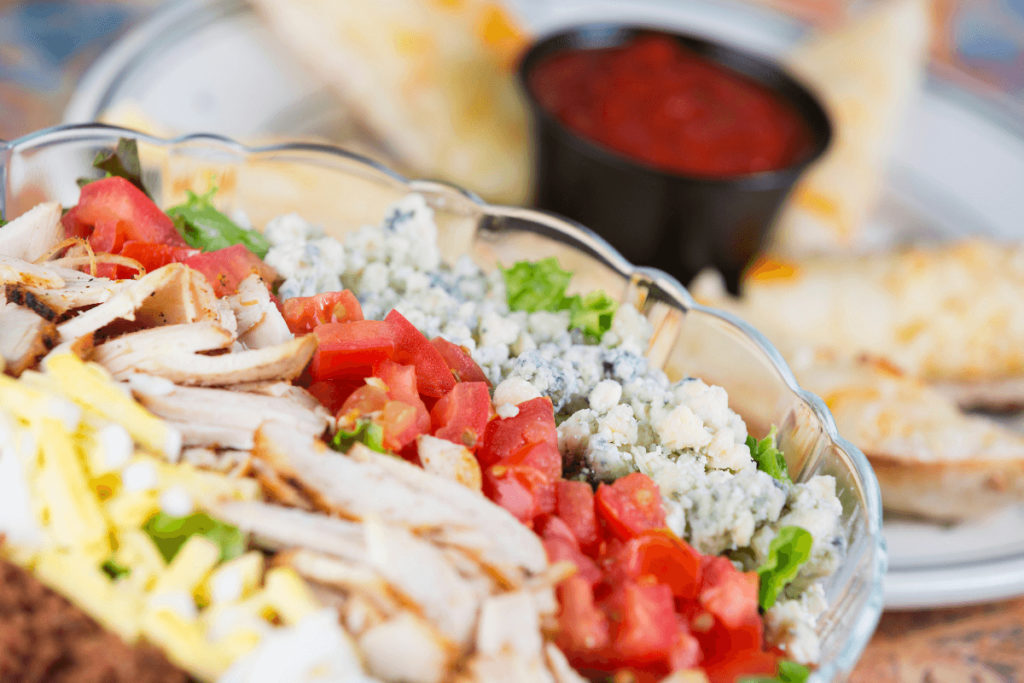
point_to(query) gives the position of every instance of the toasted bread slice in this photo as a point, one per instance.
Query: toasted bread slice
(433, 78)
(867, 72)
(932, 460)
(950, 313)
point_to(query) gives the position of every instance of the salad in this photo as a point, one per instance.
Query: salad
(275, 455)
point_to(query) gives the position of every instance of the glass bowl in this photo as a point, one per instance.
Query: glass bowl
(341, 191)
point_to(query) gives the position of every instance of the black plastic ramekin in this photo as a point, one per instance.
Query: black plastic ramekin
(677, 222)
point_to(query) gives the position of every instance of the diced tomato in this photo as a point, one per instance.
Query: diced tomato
(575, 506)
(350, 349)
(116, 199)
(561, 546)
(647, 626)
(363, 401)
(685, 652)
(461, 415)
(333, 393)
(74, 226)
(630, 506)
(542, 457)
(504, 437)
(523, 491)
(459, 361)
(303, 313)
(730, 598)
(664, 558)
(400, 379)
(398, 420)
(153, 256)
(108, 236)
(583, 629)
(401, 382)
(412, 348)
(728, 593)
(225, 268)
(739, 665)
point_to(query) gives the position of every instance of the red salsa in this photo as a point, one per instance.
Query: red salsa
(656, 101)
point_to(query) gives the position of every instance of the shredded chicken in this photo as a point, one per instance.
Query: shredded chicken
(222, 418)
(367, 483)
(33, 234)
(16, 271)
(24, 338)
(423, 658)
(282, 362)
(260, 324)
(130, 352)
(79, 291)
(165, 296)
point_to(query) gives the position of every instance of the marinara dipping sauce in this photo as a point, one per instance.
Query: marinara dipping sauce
(656, 101)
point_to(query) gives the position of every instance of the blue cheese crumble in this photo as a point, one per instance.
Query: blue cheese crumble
(616, 413)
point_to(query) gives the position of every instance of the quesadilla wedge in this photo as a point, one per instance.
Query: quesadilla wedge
(950, 314)
(867, 72)
(431, 78)
(932, 460)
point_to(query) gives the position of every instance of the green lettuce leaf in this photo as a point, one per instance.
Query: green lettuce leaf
(366, 432)
(533, 286)
(207, 229)
(123, 161)
(170, 533)
(786, 554)
(789, 672)
(536, 286)
(593, 313)
(768, 457)
(114, 569)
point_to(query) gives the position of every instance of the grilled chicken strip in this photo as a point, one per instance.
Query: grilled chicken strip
(131, 351)
(260, 324)
(222, 418)
(366, 483)
(165, 296)
(282, 362)
(16, 271)
(414, 568)
(33, 234)
(24, 338)
(79, 291)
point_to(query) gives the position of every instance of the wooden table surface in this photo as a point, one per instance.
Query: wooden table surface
(37, 74)
(968, 644)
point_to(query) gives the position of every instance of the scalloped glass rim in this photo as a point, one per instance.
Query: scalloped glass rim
(860, 585)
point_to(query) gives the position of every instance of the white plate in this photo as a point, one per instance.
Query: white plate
(958, 169)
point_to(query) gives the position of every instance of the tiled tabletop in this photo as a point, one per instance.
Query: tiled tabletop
(46, 45)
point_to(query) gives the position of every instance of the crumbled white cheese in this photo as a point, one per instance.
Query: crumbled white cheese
(176, 501)
(605, 395)
(139, 476)
(679, 428)
(791, 624)
(514, 390)
(69, 414)
(116, 445)
(226, 585)
(507, 410)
